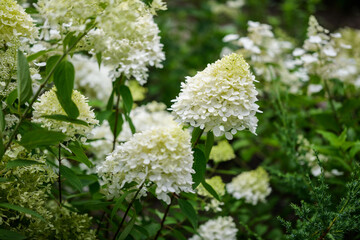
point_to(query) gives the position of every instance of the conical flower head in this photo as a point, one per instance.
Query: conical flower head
(14, 22)
(221, 98)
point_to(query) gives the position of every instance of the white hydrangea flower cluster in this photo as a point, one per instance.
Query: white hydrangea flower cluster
(15, 22)
(222, 152)
(217, 229)
(161, 155)
(146, 117)
(125, 33)
(307, 156)
(221, 98)
(48, 104)
(260, 48)
(323, 54)
(219, 186)
(91, 80)
(253, 186)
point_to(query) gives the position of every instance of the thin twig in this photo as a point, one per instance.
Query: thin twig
(127, 211)
(116, 121)
(59, 178)
(198, 138)
(164, 217)
(12, 136)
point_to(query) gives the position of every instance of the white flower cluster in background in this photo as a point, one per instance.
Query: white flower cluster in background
(15, 22)
(324, 54)
(219, 186)
(92, 81)
(125, 32)
(252, 186)
(222, 152)
(161, 155)
(221, 98)
(146, 117)
(48, 104)
(306, 155)
(220, 228)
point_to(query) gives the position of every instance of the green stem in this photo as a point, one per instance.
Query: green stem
(12, 136)
(116, 121)
(164, 218)
(327, 89)
(127, 211)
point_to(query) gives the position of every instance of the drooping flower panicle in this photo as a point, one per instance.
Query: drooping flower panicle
(221, 98)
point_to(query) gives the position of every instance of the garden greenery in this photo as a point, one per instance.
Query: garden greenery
(262, 143)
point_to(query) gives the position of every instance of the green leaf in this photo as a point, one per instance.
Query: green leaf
(178, 235)
(21, 209)
(209, 144)
(64, 76)
(11, 99)
(41, 137)
(34, 56)
(110, 102)
(141, 230)
(69, 40)
(126, 97)
(332, 138)
(195, 134)
(2, 147)
(10, 235)
(119, 123)
(199, 166)
(50, 64)
(65, 118)
(2, 119)
(189, 211)
(98, 58)
(210, 189)
(131, 124)
(80, 156)
(119, 201)
(23, 78)
(71, 177)
(128, 228)
(21, 163)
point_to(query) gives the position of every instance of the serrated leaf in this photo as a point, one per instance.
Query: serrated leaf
(128, 228)
(208, 144)
(199, 167)
(24, 84)
(64, 76)
(22, 209)
(79, 153)
(41, 137)
(126, 97)
(65, 118)
(10, 235)
(21, 163)
(131, 124)
(210, 189)
(71, 177)
(189, 211)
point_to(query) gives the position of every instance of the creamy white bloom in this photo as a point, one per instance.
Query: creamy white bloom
(125, 32)
(253, 186)
(220, 228)
(15, 22)
(91, 80)
(48, 104)
(221, 98)
(222, 152)
(162, 156)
